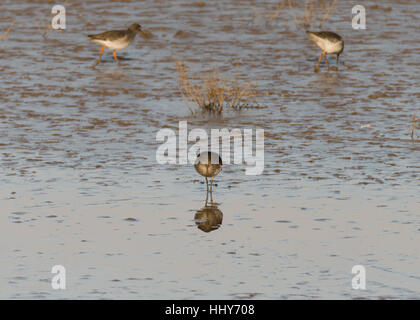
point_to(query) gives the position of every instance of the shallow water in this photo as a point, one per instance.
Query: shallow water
(80, 185)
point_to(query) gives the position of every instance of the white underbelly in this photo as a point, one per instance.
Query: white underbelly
(332, 47)
(114, 45)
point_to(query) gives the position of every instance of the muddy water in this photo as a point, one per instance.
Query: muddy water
(80, 185)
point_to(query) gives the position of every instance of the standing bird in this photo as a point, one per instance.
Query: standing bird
(208, 164)
(329, 42)
(115, 40)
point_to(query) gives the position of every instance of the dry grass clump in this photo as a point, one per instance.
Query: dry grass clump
(266, 16)
(415, 124)
(312, 11)
(212, 92)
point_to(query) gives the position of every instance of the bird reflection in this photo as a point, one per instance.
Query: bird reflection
(209, 218)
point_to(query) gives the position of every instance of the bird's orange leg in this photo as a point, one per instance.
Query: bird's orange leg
(316, 69)
(100, 57)
(326, 61)
(207, 198)
(115, 57)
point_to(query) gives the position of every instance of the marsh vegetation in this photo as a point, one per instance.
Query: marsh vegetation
(211, 91)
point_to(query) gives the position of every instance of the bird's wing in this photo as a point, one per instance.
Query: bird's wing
(332, 36)
(109, 35)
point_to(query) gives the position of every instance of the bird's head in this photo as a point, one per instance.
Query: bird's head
(135, 27)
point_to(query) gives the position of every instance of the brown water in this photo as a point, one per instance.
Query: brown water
(80, 185)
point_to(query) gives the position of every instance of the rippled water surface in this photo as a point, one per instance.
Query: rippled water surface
(80, 185)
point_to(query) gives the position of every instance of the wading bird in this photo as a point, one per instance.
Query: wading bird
(115, 40)
(209, 165)
(329, 42)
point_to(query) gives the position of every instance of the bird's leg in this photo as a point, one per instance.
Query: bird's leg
(326, 61)
(316, 69)
(115, 57)
(100, 57)
(207, 185)
(211, 190)
(320, 58)
(336, 67)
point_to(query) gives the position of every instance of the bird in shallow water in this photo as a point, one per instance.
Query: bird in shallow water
(115, 40)
(329, 42)
(209, 165)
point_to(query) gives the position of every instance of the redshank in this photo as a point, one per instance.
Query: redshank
(115, 40)
(329, 42)
(208, 164)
